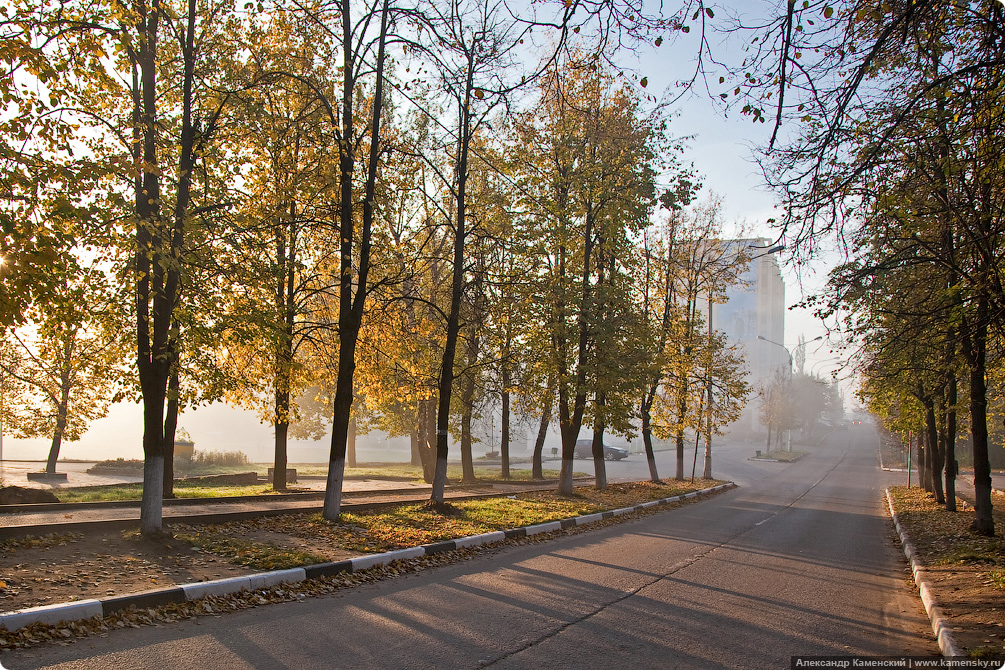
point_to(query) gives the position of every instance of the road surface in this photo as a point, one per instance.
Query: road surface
(799, 560)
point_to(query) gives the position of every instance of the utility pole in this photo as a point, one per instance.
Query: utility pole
(707, 473)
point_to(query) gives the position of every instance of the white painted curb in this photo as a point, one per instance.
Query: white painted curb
(264, 580)
(549, 527)
(940, 624)
(364, 562)
(478, 540)
(51, 614)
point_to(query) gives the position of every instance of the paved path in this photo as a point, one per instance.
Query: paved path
(731, 462)
(800, 561)
(356, 494)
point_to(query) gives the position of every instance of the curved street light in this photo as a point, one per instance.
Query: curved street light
(797, 347)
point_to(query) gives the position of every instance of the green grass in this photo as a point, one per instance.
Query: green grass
(973, 553)
(995, 578)
(135, 492)
(407, 472)
(407, 525)
(785, 456)
(412, 525)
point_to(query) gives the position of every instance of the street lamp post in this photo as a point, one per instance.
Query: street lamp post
(788, 438)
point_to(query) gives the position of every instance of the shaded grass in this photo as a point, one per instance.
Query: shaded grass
(995, 578)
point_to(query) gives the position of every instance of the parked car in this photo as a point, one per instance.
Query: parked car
(584, 449)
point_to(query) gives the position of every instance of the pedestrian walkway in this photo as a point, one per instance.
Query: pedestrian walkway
(357, 495)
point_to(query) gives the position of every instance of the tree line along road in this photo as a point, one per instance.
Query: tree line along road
(801, 559)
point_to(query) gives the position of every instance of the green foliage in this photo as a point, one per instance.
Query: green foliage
(995, 578)
(121, 464)
(214, 240)
(222, 458)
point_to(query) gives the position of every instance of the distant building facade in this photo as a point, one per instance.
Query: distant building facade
(755, 307)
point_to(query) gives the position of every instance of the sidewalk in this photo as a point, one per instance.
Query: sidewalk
(19, 520)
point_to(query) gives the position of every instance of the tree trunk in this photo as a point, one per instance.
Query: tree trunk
(570, 418)
(282, 429)
(426, 437)
(599, 464)
(285, 312)
(351, 446)
(57, 441)
(932, 436)
(537, 469)
(920, 438)
(351, 302)
(281, 426)
(415, 444)
(949, 446)
(63, 404)
(504, 439)
(647, 436)
(464, 138)
(976, 346)
(171, 428)
(707, 470)
(467, 411)
(152, 302)
(679, 443)
(570, 433)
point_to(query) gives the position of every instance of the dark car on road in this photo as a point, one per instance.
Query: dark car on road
(584, 449)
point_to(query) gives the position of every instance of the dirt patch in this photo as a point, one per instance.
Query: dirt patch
(67, 567)
(19, 495)
(310, 545)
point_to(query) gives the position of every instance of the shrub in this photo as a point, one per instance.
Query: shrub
(220, 458)
(119, 464)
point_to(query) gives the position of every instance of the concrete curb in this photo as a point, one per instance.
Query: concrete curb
(86, 609)
(775, 460)
(940, 623)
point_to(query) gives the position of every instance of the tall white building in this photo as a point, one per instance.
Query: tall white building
(755, 309)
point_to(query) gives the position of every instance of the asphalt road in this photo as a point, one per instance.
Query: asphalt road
(799, 560)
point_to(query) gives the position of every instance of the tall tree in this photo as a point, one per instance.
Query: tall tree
(364, 51)
(592, 180)
(151, 118)
(67, 365)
